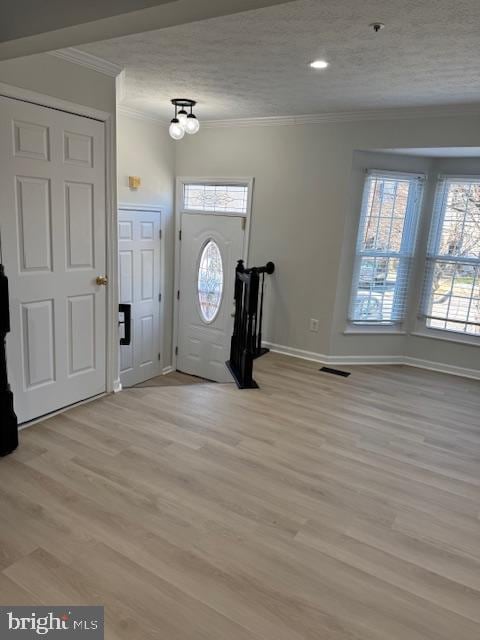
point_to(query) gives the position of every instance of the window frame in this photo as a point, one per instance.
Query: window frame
(220, 182)
(432, 256)
(405, 255)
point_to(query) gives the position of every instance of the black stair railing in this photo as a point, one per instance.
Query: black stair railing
(246, 344)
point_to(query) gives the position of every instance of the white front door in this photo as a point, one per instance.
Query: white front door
(52, 208)
(211, 245)
(139, 272)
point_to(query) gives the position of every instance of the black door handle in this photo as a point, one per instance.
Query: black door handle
(126, 309)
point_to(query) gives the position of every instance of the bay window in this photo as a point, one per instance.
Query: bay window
(451, 296)
(385, 247)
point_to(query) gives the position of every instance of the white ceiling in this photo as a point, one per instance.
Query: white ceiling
(256, 63)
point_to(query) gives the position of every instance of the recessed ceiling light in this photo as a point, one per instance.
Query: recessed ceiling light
(319, 64)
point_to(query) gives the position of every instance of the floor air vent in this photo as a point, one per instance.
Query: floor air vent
(335, 372)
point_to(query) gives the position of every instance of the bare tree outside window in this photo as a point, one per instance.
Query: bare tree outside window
(452, 300)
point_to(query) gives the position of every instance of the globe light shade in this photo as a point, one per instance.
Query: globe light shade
(176, 130)
(182, 118)
(192, 125)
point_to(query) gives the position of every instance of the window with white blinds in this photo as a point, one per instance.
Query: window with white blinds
(385, 247)
(451, 296)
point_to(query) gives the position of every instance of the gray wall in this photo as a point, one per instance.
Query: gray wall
(305, 216)
(146, 150)
(61, 79)
(28, 17)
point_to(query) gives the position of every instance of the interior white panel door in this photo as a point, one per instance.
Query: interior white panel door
(205, 320)
(139, 269)
(52, 230)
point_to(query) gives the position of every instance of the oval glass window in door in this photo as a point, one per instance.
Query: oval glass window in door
(210, 281)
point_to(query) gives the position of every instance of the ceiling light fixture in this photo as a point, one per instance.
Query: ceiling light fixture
(183, 122)
(182, 117)
(319, 64)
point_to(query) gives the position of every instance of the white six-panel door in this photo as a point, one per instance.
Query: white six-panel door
(206, 305)
(52, 226)
(139, 275)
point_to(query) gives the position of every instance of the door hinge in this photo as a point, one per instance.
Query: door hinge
(244, 223)
(160, 234)
(176, 351)
(180, 234)
(159, 297)
(159, 356)
(178, 295)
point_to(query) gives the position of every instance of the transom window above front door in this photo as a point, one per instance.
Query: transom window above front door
(216, 197)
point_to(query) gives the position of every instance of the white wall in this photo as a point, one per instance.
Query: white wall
(61, 79)
(303, 209)
(146, 150)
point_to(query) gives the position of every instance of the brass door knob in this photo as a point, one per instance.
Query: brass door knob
(102, 280)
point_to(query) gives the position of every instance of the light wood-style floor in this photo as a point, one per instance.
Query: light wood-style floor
(173, 379)
(317, 507)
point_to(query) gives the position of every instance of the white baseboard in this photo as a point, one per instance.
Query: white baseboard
(166, 370)
(30, 423)
(324, 359)
(117, 385)
(295, 353)
(441, 367)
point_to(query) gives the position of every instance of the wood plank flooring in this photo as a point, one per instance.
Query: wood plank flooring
(315, 508)
(173, 379)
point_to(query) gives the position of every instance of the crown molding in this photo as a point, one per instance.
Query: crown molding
(88, 60)
(129, 112)
(320, 118)
(348, 116)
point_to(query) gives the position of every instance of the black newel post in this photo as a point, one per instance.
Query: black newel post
(8, 419)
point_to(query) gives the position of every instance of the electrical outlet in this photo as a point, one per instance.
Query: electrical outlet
(313, 324)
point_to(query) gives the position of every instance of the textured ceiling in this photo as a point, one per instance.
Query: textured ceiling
(256, 63)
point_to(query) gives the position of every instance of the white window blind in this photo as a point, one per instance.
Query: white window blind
(451, 296)
(215, 197)
(385, 247)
